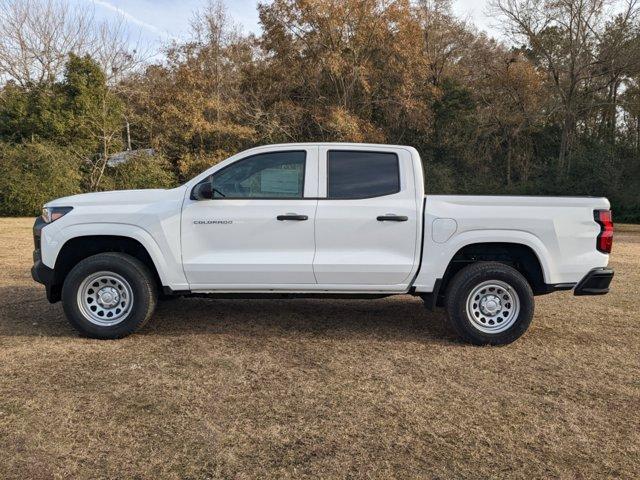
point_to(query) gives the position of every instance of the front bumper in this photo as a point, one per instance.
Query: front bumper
(39, 271)
(596, 282)
(45, 275)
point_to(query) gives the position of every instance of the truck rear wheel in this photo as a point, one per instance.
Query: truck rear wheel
(489, 303)
(109, 295)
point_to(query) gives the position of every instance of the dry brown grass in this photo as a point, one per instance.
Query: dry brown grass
(318, 388)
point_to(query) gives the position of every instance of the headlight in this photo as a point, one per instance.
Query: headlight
(51, 214)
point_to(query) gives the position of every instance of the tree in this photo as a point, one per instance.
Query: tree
(618, 60)
(96, 123)
(511, 96)
(32, 173)
(79, 112)
(192, 108)
(350, 70)
(562, 38)
(32, 114)
(553, 110)
(36, 37)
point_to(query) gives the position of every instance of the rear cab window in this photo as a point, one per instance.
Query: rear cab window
(353, 174)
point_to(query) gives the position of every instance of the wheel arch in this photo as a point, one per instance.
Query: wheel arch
(520, 256)
(78, 248)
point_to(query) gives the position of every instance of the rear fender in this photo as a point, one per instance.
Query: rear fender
(437, 256)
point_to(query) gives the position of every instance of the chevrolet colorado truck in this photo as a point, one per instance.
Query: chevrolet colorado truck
(334, 220)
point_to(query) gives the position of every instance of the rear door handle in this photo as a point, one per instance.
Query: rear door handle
(292, 216)
(389, 217)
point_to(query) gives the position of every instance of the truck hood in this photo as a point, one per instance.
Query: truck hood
(110, 198)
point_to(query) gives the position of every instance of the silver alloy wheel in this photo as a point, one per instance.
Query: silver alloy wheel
(105, 298)
(493, 306)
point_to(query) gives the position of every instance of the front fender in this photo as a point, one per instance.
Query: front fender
(168, 266)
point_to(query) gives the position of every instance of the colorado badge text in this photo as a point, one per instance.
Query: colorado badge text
(212, 222)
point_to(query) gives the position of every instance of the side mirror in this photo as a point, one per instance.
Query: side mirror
(202, 191)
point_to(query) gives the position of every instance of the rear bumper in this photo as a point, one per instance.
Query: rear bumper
(596, 282)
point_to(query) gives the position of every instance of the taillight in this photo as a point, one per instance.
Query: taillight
(604, 242)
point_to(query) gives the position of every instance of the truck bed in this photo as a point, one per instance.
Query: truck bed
(561, 231)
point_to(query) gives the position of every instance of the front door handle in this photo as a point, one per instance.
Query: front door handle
(390, 217)
(292, 216)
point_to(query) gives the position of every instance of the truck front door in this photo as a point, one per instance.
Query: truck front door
(250, 225)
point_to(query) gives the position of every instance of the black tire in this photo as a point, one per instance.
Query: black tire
(461, 287)
(140, 280)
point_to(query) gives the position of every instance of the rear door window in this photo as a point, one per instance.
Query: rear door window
(354, 174)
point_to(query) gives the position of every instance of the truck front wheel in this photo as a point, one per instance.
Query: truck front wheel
(109, 295)
(489, 303)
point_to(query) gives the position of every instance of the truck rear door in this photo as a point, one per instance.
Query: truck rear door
(367, 219)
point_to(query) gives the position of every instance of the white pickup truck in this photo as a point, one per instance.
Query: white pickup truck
(319, 219)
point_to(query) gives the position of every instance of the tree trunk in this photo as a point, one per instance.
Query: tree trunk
(105, 145)
(565, 143)
(509, 162)
(637, 133)
(614, 111)
(128, 136)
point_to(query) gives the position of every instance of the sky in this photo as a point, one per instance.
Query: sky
(155, 22)
(475, 11)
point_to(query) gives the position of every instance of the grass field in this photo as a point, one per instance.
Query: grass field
(318, 388)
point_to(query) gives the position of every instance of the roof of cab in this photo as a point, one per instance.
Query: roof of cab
(334, 144)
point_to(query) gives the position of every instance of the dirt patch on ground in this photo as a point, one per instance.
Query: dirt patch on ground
(318, 388)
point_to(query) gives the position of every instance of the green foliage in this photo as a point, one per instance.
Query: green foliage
(78, 114)
(95, 113)
(454, 124)
(540, 119)
(35, 113)
(31, 174)
(78, 111)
